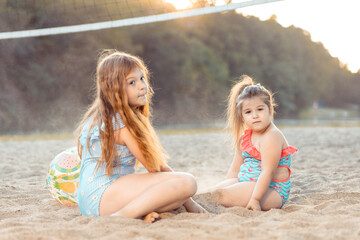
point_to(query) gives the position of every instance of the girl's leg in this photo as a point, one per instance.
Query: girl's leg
(221, 185)
(239, 195)
(136, 195)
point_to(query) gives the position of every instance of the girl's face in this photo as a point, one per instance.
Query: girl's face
(136, 88)
(256, 114)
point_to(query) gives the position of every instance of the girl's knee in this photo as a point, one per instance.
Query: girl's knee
(188, 184)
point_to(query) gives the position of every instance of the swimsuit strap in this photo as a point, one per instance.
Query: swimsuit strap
(246, 146)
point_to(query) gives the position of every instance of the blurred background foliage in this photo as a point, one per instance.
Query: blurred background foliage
(48, 82)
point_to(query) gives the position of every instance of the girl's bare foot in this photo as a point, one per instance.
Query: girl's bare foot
(151, 217)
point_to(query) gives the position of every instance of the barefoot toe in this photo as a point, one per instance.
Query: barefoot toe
(150, 218)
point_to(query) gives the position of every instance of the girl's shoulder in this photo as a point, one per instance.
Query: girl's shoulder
(89, 131)
(117, 123)
(276, 135)
(273, 138)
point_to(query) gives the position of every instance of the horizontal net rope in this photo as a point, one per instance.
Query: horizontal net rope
(130, 21)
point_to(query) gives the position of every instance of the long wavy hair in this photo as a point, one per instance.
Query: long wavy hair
(112, 69)
(245, 88)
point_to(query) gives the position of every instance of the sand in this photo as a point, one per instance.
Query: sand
(324, 201)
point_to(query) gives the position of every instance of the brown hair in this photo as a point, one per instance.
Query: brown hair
(245, 88)
(112, 69)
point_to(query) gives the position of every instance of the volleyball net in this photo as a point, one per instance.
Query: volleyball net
(34, 18)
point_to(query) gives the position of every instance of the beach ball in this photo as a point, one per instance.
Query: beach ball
(63, 177)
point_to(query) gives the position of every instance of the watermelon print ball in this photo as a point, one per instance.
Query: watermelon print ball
(63, 177)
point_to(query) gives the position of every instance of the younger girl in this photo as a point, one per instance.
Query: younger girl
(114, 136)
(259, 176)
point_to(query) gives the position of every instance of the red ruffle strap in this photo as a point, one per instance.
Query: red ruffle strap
(246, 146)
(287, 151)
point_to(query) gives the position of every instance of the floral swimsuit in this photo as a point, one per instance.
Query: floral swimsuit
(93, 183)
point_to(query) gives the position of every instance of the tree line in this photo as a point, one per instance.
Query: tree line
(47, 82)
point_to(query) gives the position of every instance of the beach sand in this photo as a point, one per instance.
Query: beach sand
(324, 201)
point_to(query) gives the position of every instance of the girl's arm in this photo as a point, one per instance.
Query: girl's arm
(124, 137)
(235, 165)
(166, 169)
(270, 150)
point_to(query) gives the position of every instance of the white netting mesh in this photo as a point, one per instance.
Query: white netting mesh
(90, 15)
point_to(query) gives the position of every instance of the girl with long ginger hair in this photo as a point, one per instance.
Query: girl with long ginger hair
(115, 135)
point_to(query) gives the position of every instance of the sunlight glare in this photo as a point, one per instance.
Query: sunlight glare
(179, 4)
(333, 23)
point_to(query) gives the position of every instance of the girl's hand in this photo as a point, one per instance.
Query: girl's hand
(254, 205)
(192, 206)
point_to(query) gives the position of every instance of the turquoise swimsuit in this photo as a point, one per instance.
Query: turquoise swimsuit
(250, 170)
(93, 183)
